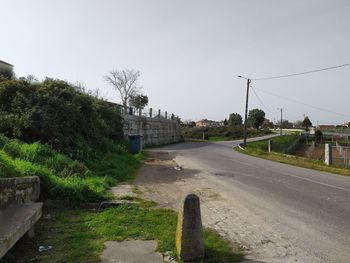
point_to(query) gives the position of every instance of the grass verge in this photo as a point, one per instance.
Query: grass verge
(61, 177)
(218, 138)
(78, 235)
(259, 149)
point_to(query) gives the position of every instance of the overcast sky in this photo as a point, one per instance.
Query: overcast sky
(190, 52)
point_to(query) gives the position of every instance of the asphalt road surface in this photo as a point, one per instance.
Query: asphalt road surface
(310, 209)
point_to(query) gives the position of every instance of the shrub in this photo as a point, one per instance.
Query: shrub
(76, 168)
(6, 73)
(57, 113)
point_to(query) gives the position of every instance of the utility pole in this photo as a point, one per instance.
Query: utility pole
(246, 112)
(281, 121)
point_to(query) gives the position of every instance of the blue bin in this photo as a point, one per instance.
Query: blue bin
(135, 143)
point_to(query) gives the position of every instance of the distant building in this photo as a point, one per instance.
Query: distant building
(312, 130)
(5, 66)
(209, 123)
(6, 69)
(326, 127)
(346, 124)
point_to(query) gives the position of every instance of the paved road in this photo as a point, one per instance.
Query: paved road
(309, 209)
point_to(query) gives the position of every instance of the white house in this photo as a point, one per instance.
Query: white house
(4, 66)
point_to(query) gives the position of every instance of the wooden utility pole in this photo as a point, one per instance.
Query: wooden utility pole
(245, 116)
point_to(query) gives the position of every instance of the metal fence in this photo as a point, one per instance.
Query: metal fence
(146, 112)
(150, 113)
(341, 155)
(340, 130)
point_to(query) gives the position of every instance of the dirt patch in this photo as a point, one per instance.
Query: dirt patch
(162, 180)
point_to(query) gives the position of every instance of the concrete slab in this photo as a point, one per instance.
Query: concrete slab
(122, 190)
(15, 221)
(132, 251)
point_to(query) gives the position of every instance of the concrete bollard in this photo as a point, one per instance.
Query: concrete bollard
(328, 154)
(189, 232)
(269, 146)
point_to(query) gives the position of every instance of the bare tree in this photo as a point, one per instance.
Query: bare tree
(125, 82)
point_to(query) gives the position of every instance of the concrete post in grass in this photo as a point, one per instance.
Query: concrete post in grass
(328, 154)
(269, 146)
(189, 233)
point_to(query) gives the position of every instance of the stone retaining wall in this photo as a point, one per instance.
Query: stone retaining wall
(19, 190)
(155, 131)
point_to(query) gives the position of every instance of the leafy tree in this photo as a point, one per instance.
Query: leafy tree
(298, 124)
(306, 123)
(285, 124)
(192, 124)
(318, 135)
(267, 124)
(256, 118)
(125, 82)
(30, 78)
(139, 101)
(225, 122)
(235, 119)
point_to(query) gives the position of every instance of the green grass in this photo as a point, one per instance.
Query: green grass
(79, 235)
(66, 179)
(279, 144)
(218, 138)
(259, 149)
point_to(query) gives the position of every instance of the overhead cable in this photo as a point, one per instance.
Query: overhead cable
(303, 73)
(303, 103)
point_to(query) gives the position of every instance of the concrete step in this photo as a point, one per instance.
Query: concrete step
(15, 221)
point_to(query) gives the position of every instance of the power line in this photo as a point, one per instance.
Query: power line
(305, 104)
(303, 73)
(262, 103)
(269, 109)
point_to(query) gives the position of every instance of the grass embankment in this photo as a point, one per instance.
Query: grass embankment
(251, 134)
(66, 179)
(279, 147)
(79, 235)
(222, 133)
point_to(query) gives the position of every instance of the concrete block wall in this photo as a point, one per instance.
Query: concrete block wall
(155, 131)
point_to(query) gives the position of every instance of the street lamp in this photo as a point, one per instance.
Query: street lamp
(246, 112)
